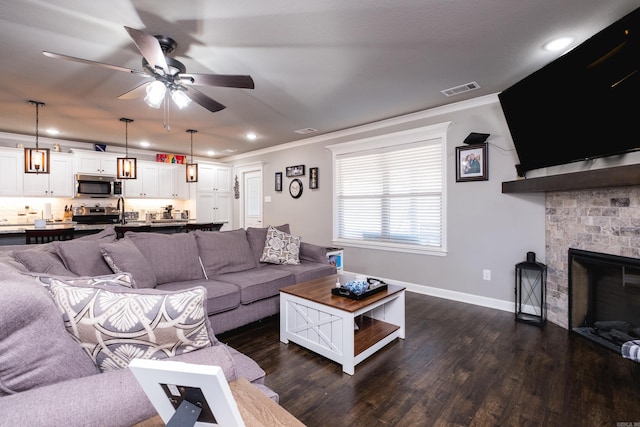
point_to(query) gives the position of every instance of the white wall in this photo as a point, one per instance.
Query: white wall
(486, 229)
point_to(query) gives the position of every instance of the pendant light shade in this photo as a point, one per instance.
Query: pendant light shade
(36, 160)
(127, 166)
(192, 168)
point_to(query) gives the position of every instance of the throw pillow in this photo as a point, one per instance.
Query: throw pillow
(257, 236)
(42, 262)
(119, 279)
(281, 248)
(124, 256)
(115, 326)
(83, 257)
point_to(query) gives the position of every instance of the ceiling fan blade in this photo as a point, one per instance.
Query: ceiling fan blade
(202, 99)
(150, 48)
(225, 80)
(137, 92)
(86, 61)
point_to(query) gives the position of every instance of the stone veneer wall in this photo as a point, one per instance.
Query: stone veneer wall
(602, 220)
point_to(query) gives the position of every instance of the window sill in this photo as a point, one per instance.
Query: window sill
(390, 247)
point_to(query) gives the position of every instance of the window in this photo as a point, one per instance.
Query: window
(389, 191)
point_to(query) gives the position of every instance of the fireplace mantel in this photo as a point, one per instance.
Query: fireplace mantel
(620, 176)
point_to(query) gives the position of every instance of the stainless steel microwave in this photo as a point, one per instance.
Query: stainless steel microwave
(97, 186)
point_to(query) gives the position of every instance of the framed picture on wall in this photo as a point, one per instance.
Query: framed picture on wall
(295, 170)
(471, 163)
(313, 178)
(278, 181)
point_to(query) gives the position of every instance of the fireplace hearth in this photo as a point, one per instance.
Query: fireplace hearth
(604, 297)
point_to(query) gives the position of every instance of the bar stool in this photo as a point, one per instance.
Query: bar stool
(205, 226)
(48, 235)
(121, 229)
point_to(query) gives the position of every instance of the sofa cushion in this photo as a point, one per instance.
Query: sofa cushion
(258, 283)
(83, 257)
(114, 325)
(221, 296)
(173, 257)
(42, 262)
(306, 271)
(281, 248)
(123, 255)
(35, 349)
(257, 236)
(224, 251)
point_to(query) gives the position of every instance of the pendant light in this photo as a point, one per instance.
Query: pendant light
(36, 160)
(127, 166)
(192, 168)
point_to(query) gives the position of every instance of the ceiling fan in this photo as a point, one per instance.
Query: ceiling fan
(169, 75)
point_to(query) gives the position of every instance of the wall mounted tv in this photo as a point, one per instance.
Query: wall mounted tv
(583, 105)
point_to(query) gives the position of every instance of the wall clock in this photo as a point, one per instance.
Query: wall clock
(295, 188)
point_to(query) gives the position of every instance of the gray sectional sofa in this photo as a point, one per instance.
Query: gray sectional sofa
(58, 368)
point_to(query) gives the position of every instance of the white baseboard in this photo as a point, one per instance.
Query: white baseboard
(451, 295)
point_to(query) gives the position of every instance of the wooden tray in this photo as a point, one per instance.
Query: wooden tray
(344, 292)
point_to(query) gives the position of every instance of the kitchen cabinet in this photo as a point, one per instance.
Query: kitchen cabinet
(213, 197)
(213, 207)
(147, 184)
(172, 181)
(95, 162)
(12, 167)
(213, 177)
(58, 183)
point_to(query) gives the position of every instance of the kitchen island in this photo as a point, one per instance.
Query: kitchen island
(14, 234)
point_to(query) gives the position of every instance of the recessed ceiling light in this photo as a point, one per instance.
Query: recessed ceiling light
(251, 136)
(145, 144)
(52, 131)
(211, 153)
(230, 150)
(558, 44)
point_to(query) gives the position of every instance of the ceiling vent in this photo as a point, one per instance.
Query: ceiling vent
(461, 89)
(305, 131)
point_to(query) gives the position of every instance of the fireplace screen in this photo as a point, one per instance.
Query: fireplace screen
(604, 297)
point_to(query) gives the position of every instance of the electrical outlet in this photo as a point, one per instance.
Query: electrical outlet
(486, 274)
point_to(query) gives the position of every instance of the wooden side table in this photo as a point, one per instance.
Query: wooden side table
(256, 409)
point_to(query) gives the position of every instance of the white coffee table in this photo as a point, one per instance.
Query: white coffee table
(314, 318)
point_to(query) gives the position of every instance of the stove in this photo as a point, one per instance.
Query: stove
(95, 215)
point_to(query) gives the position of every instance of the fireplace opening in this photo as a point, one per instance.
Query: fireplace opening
(604, 297)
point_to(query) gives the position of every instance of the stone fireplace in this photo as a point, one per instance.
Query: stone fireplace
(604, 297)
(601, 220)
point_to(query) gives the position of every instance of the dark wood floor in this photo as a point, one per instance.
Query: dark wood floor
(460, 365)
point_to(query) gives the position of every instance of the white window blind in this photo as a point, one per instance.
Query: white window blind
(391, 195)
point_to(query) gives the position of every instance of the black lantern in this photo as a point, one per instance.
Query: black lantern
(531, 293)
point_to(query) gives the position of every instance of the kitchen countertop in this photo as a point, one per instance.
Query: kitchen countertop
(9, 228)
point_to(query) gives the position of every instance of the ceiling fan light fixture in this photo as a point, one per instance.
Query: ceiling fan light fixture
(155, 94)
(180, 98)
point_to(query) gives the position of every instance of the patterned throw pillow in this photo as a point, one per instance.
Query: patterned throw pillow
(115, 325)
(281, 248)
(117, 279)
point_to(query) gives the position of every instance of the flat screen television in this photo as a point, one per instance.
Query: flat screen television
(583, 105)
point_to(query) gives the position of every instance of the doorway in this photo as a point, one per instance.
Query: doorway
(252, 201)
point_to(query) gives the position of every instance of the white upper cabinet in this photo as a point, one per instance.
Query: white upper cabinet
(57, 183)
(12, 169)
(94, 162)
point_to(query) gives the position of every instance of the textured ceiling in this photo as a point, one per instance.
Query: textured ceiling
(327, 65)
